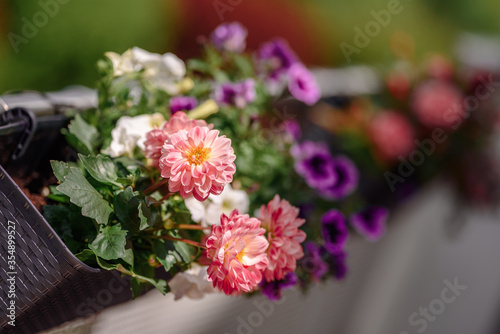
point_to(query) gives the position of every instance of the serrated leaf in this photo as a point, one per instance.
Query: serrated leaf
(82, 194)
(109, 243)
(85, 133)
(100, 168)
(60, 169)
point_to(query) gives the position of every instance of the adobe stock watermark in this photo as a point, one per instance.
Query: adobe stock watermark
(104, 297)
(264, 309)
(362, 38)
(222, 6)
(420, 320)
(31, 26)
(427, 147)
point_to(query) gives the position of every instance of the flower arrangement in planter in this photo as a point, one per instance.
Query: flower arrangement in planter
(189, 178)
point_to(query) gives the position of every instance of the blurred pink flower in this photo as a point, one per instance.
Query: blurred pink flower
(198, 162)
(237, 249)
(156, 138)
(436, 103)
(302, 84)
(392, 135)
(280, 219)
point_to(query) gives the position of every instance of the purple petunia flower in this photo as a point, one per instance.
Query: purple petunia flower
(312, 262)
(182, 103)
(370, 222)
(347, 179)
(272, 290)
(276, 57)
(334, 229)
(230, 37)
(302, 84)
(338, 264)
(238, 94)
(314, 162)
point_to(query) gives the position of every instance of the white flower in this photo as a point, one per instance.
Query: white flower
(163, 71)
(123, 64)
(130, 132)
(191, 283)
(208, 212)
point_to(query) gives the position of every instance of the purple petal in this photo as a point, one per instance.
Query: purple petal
(371, 222)
(230, 37)
(334, 230)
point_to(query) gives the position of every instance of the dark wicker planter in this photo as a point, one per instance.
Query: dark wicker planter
(51, 285)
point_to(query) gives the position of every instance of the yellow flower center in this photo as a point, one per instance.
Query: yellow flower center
(198, 155)
(240, 255)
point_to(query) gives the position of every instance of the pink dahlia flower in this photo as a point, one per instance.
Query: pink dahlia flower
(237, 249)
(280, 219)
(392, 134)
(436, 103)
(157, 137)
(198, 162)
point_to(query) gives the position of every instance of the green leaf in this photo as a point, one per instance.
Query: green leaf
(88, 257)
(61, 169)
(244, 65)
(81, 193)
(157, 283)
(100, 168)
(85, 134)
(148, 216)
(106, 265)
(109, 244)
(185, 251)
(125, 205)
(137, 287)
(166, 254)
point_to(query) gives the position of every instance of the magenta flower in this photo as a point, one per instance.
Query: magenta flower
(238, 94)
(230, 37)
(276, 58)
(315, 164)
(237, 250)
(302, 84)
(346, 182)
(182, 103)
(197, 162)
(156, 138)
(273, 290)
(281, 221)
(334, 229)
(371, 222)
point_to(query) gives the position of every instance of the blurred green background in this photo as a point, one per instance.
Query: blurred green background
(65, 48)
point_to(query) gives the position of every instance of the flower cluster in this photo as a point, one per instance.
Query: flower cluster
(334, 178)
(177, 157)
